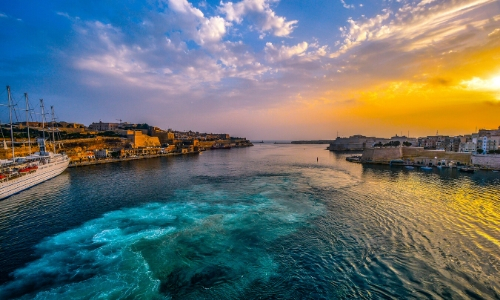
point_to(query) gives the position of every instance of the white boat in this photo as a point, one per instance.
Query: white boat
(425, 168)
(21, 173)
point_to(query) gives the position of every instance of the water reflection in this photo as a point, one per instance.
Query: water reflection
(272, 221)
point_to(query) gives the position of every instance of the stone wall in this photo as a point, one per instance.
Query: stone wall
(381, 154)
(419, 153)
(139, 139)
(413, 154)
(486, 161)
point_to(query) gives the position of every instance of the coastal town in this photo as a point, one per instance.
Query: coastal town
(480, 150)
(102, 142)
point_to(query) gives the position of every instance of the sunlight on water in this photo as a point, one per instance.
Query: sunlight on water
(268, 222)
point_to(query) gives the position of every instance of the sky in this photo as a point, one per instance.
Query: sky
(260, 69)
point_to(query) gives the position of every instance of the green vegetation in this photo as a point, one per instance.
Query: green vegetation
(392, 144)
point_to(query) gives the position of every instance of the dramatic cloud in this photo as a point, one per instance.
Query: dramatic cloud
(417, 26)
(219, 66)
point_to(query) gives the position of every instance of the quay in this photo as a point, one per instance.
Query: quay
(418, 157)
(93, 162)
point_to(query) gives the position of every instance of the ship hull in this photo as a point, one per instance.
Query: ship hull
(43, 173)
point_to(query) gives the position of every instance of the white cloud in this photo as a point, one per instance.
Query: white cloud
(212, 30)
(258, 11)
(494, 32)
(275, 54)
(184, 7)
(348, 6)
(428, 22)
(194, 23)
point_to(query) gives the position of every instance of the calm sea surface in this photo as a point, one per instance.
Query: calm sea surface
(253, 223)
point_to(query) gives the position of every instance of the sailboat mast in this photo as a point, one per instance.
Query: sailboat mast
(53, 124)
(10, 118)
(27, 122)
(43, 119)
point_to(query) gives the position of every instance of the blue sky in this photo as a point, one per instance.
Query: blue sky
(255, 68)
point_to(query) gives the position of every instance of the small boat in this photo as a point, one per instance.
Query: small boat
(467, 170)
(425, 168)
(353, 158)
(410, 167)
(396, 162)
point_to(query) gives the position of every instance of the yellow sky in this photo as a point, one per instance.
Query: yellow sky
(450, 85)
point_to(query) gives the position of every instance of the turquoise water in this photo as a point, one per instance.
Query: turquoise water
(253, 223)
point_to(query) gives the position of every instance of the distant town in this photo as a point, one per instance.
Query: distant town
(480, 149)
(122, 140)
(106, 141)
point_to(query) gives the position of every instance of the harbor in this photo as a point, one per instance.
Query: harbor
(232, 222)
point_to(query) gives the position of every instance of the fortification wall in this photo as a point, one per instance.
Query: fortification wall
(412, 153)
(381, 154)
(206, 144)
(486, 161)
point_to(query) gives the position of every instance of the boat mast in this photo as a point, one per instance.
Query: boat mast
(27, 122)
(41, 141)
(10, 118)
(43, 119)
(53, 123)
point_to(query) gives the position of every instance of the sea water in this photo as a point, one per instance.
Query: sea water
(270, 221)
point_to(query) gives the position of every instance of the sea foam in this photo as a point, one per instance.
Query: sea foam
(208, 241)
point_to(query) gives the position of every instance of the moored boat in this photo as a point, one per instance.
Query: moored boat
(21, 173)
(467, 170)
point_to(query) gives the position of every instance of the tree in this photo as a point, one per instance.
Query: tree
(479, 151)
(406, 144)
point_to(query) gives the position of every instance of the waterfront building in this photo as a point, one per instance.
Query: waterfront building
(435, 142)
(486, 144)
(138, 139)
(101, 153)
(165, 137)
(103, 126)
(467, 147)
